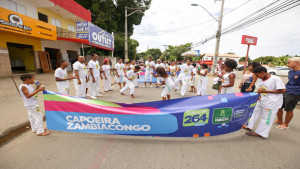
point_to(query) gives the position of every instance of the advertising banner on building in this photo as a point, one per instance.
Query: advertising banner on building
(21, 24)
(82, 30)
(198, 116)
(95, 35)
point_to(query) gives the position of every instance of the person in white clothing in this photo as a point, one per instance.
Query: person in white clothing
(80, 72)
(158, 79)
(31, 103)
(229, 77)
(202, 83)
(166, 66)
(270, 89)
(185, 72)
(172, 70)
(130, 76)
(120, 72)
(193, 79)
(95, 74)
(106, 73)
(167, 81)
(132, 66)
(62, 79)
(149, 65)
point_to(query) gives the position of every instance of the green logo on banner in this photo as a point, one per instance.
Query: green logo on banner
(222, 115)
(196, 117)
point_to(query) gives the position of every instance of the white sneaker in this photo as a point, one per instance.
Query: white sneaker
(93, 97)
(99, 94)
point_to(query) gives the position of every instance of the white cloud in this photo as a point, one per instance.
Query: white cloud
(277, 36)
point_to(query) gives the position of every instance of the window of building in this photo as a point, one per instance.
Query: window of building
(43, 17)
(71, 28)
(17, 7)
(55, 22)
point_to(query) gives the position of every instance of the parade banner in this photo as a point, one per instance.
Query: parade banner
(198, 116)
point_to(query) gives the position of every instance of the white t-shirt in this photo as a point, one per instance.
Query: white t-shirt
(132, 67)
(159, 65)
(96, 67)
(166, 66)
(82, 70)
(106, 69)
(173, 70)
(32, 101)
(148, 64)
(131, 74)
(271, 100)
(186, 70)
(62, 74)
(120, 68)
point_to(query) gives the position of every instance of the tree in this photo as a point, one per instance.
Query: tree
(109, 15)
(174, 52)
(155, 53)
(264, 59)
(243, 59)
(281, 61)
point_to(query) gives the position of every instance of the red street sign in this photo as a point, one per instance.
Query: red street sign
(249, 40)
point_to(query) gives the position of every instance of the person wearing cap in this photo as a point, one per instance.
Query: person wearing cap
(150, 65)
(159, 79)
(106, 73)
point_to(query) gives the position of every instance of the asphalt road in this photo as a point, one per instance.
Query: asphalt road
(63, 150)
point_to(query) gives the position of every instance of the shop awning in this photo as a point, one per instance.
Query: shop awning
(83, 41)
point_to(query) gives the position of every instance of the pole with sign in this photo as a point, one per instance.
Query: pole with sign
(248, 40)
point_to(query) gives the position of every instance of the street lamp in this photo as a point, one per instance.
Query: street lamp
(126, 43)
(218, 34)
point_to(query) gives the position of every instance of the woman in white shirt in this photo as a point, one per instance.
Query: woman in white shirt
(202, 83)
(106, 73)
(228, 78)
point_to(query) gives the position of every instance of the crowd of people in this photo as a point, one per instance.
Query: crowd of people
(171, 76)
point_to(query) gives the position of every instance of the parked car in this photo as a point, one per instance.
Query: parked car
(240, 68)
(280, 71)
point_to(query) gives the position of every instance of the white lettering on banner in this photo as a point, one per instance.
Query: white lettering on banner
(101, 123)
(101, 38)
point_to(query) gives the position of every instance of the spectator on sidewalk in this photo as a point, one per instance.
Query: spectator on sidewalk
(249, 79)
(270, 89)
(62, 79)
(31, 103)
(292, 96)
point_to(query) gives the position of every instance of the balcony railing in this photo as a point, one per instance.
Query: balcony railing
(65, 33)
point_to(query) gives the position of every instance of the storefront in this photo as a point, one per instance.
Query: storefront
(20, 42)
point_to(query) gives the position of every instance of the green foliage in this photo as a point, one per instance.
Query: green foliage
(265, 59)
(243, 59)
(174, 52)
(273, 61)
(154, 53)
(110, 16)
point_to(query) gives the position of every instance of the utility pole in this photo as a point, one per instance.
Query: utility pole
(218, 37)
(126, 37)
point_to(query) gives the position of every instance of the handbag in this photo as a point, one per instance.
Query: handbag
(217, 85)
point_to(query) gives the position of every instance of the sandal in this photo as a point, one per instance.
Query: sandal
(44, 134)
(251, 133)
(280, 127)
(246, 128)
(277, 123)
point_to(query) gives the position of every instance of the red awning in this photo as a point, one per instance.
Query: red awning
(84, 41)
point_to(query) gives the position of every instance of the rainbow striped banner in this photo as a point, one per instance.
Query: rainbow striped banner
(185, 117)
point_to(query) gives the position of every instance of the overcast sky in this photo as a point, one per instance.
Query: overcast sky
(279, 35)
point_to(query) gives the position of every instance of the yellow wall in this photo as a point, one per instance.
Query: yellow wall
(21, 39)
(15, 53)
(64, 22)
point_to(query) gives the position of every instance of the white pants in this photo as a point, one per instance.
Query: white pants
(167, 90)
(80, 88)
(184, 81)
(226, 90)
(130, 85)
(36, 119)
(265, 124)
(158, 80)
(192, 82)
(119, 79)
(201, 88)
(94, 87)
(63, 90)
(107, 83)
(148, 75)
